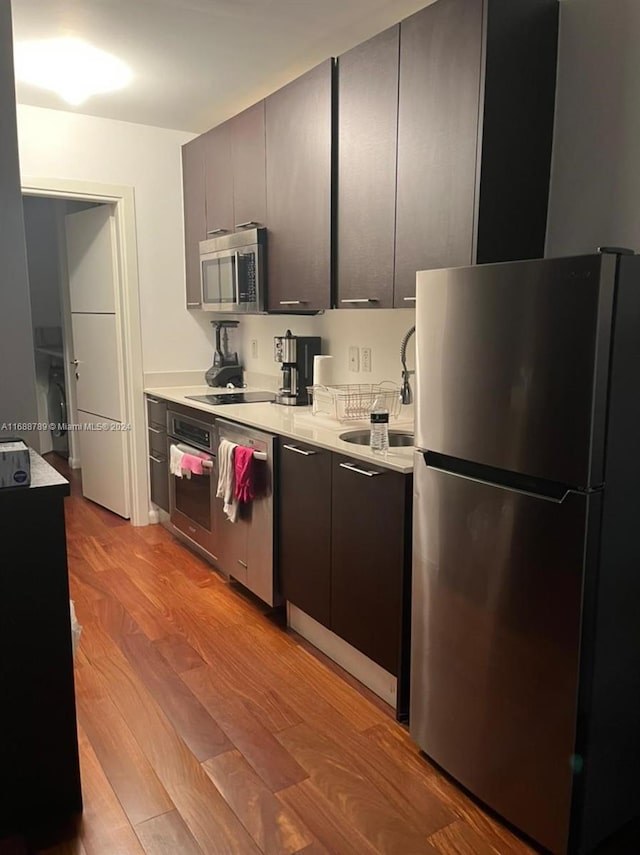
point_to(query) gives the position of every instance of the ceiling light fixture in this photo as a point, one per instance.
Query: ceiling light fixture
(70, 67)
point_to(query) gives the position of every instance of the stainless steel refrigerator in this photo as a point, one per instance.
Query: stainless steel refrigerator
(525, 653)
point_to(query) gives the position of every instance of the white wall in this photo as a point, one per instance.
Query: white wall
(57, 144)
(595, 187)
(380, 329)
(17, 369)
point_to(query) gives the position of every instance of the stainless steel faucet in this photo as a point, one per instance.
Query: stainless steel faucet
(406, 394)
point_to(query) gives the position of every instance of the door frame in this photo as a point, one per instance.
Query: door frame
(122, 199)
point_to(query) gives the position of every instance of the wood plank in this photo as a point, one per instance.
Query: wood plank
(333, 773)
(127, 769)
(69, 847)
(167, 835)
(269, 759)
(301, 665)
(104, 826)
(179, 654)
(460, 839)
(332, 828)
(394, 741)
(188, 716)
(206, 814)
(274, 828)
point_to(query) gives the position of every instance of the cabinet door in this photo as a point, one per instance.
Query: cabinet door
(218, 180)
(304, 481)
(368, 558)
(249, 168)
(159, 478)
(195, 227)
(299, 143)
(367, 138)
(440, 70)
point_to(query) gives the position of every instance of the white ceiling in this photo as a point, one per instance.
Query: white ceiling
(197, 62)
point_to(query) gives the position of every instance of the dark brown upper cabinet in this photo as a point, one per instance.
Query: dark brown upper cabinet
(475, 123)
(299, 192)
(367, 138)
(195, 225)
(219, 180)
(248, 167)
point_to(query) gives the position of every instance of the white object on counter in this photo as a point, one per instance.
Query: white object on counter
(322, 370)
(15, 464)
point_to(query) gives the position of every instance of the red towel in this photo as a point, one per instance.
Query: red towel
(245, 475)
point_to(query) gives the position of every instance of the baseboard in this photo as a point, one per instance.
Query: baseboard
(154, 516)
(357, 664)
(74, 463)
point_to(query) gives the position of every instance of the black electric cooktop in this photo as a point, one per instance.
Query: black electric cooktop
(233, 398)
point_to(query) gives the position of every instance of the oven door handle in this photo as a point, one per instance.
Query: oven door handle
(207, 460)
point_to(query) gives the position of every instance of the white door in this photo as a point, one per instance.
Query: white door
(92, 265)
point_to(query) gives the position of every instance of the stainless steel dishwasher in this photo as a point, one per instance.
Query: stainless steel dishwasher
(245, 548)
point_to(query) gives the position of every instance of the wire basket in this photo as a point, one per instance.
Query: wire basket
(353, 401)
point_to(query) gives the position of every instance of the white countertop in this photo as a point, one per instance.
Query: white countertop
(296, 423)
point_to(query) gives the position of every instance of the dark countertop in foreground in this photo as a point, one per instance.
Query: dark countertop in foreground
(43, 477)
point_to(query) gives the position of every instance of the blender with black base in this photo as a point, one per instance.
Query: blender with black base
(226, 368)
(295, 353)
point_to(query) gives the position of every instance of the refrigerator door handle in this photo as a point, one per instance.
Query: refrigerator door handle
(546, 497)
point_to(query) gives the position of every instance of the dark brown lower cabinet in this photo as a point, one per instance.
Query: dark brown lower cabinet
(305, 528)
(345, 550)
(368, 556)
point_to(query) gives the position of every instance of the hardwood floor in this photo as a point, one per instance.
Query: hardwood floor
(206, 727)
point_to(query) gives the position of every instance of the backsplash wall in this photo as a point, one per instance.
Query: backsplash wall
(382, 330)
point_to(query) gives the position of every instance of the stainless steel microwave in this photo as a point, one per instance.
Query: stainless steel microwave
(233, 272)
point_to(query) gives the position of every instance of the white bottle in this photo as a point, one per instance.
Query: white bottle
(379, 428)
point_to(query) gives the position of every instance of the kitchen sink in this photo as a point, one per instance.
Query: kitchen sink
(397, 438)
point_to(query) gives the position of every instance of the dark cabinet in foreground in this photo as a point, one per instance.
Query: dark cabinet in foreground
(39, 769)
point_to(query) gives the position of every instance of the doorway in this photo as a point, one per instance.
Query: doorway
(96, 344)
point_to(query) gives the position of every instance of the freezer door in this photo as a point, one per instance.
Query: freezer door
(512, 365)
(497, 580)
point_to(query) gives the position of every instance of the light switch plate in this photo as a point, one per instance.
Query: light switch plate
(354, 359)
(366, 359)
(254, 348)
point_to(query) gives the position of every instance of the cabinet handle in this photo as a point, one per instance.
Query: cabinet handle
(217, 232)
(247, 224)
(156, 430)
(361, 300)
(193, 305)
(157, 459)
(292, 302)
(242, 564)
(299, 450)
(368, 472)
(153, 400)
(409, 299)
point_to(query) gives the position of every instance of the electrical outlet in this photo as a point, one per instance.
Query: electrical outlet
(254, 348)
(354, 359)
(366, 359)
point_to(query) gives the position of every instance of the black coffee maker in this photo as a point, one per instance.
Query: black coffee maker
(226, 368)
(295, 353)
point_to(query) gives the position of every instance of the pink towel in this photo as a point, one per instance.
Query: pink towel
(191, 463)
(245, 477)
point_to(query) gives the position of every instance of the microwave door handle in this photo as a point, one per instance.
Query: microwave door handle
(236, 276)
